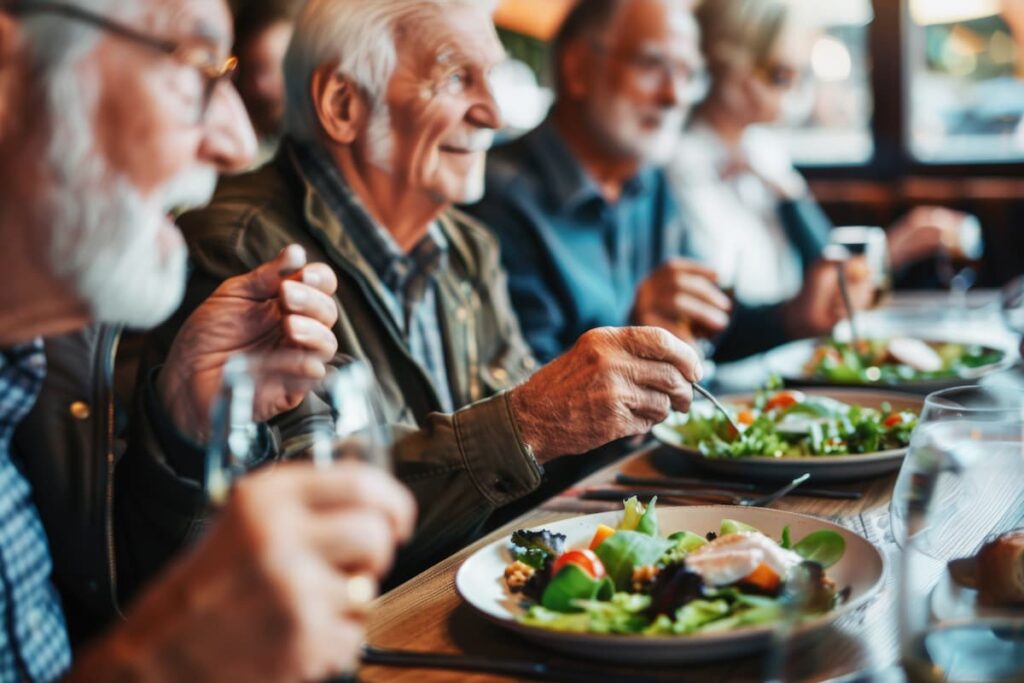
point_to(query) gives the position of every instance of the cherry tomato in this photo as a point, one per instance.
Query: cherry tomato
(584, 559)
(745, 417)
(782, 399)
(893, 420)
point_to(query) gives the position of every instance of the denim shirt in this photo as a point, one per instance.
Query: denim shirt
(33, 637)
(574, 259)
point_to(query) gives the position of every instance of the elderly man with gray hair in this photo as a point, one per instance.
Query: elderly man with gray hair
(389, 115)
(112, 112)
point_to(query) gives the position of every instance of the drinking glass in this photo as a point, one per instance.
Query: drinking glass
(350, 424)
(958, 265)
(234, 448)
(961, 484)
(871, 243)
(356, 427)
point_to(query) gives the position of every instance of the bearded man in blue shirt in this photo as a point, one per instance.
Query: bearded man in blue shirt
(590, 234)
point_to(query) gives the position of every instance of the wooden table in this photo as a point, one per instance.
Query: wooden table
(426, 614)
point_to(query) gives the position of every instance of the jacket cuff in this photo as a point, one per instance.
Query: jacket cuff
(500, 464)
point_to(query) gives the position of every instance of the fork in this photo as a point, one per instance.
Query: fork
(688, 497)
(714, 401)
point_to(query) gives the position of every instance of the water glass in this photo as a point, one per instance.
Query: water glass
(961, 484)
(356, 427)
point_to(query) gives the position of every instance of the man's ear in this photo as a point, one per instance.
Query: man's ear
(339, 105)
(572, 69)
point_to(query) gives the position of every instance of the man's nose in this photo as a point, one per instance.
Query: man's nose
(229, 142)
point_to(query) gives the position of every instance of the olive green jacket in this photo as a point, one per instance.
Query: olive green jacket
(461, 467)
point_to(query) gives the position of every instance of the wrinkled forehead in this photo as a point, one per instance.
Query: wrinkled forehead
(461, 34)
(206, 20)
(665, 24)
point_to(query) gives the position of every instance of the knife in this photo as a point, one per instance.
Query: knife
(519, 668)
(685, 482)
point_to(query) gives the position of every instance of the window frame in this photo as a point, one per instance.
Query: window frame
(890, 90)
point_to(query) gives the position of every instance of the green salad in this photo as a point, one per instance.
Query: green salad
(891, 361)
(633, 580)
(790, 423)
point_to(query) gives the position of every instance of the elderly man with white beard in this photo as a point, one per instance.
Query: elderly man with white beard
(590, 232)
(112, 112)
(389, 114)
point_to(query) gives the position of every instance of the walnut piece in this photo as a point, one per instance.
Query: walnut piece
(517, 574)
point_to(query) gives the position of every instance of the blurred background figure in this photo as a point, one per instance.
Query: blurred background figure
(753, 217)
(263, 29)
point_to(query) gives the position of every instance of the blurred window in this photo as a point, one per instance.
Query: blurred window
(829, 117)
(966, 66)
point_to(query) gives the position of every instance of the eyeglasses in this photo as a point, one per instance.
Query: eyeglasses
(194, 55)
(650, 70)
(782, 76)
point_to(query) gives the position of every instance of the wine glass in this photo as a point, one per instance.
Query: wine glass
(961, 484)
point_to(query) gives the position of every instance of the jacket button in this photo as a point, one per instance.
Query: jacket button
(500, 375)
(80, 410)
(462, 314)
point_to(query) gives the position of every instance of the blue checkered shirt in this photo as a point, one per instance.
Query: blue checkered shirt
(409, 278)
(33, 638)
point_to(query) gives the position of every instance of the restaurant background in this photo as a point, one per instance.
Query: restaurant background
(904, 103)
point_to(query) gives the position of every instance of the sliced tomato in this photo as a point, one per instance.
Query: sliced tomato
(745, 417)
(782, 400)
(584, 559)
(893, 420)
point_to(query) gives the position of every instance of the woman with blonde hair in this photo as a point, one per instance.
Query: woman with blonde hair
(752, 215)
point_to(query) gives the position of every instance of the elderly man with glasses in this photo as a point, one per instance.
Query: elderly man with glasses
(389, 114)
(113, 112)
(591, 234)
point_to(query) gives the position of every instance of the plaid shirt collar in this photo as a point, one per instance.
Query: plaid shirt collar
(22, 370)
(405, 275)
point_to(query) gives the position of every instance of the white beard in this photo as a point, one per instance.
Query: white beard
(619, 123)
(104, 235)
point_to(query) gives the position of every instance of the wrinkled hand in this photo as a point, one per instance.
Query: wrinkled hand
(282, 305)
(819, 305)
(923, 233)
(267, 595)
(614, 383)
(681, 297)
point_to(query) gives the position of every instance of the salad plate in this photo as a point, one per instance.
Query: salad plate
(855, 573)
(905, 363)
(871, 416)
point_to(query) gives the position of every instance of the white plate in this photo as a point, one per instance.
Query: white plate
(789, 360)
(480, 582)
(821, 467)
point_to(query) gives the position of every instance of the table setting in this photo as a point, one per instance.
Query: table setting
(902, 603)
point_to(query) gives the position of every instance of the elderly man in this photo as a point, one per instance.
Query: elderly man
(590, 234)
(388, 117)
(112, 113)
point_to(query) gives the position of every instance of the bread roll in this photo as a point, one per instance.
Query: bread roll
(1000, 570)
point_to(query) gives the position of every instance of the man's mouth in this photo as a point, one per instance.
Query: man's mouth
(449, 149)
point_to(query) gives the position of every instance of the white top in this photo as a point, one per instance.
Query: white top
(733, 212)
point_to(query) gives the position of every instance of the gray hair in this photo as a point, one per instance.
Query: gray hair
(356, 35)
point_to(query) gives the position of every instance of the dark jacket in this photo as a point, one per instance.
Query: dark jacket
(462, 466)
(68, 447)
